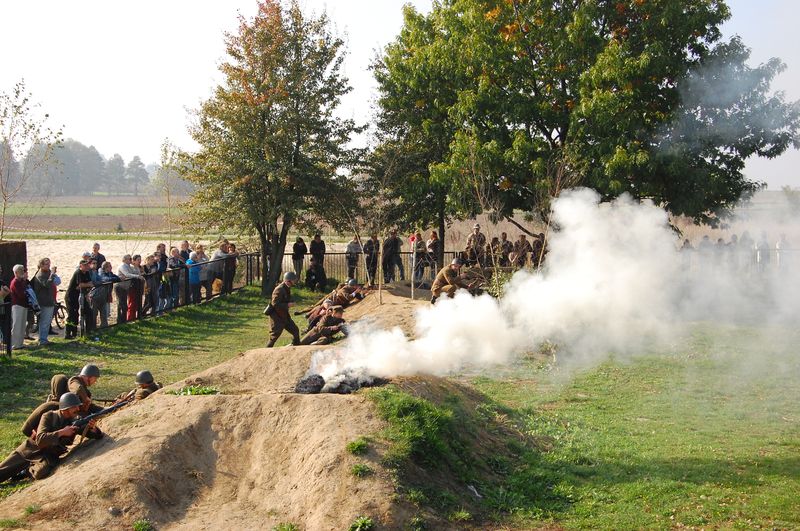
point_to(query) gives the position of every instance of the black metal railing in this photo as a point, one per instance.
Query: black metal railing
(5, 327)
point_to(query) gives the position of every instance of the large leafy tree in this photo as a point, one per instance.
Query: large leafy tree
(270, 144)
(637, 96)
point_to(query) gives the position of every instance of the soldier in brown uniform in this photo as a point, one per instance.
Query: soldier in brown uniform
(59, 384)
(326, 328)
(40, 452)
(32, 422)
(80, 386)
(145, 386)
(476, 245)
(448, 281)
(280, 319)
(347, 294)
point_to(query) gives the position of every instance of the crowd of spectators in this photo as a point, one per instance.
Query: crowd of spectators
(739, 254)
(141, 286)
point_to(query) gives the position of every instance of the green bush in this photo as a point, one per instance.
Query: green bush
(360, 470)
(362, 523)
(143, 525)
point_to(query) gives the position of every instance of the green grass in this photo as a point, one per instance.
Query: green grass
(362, 523)
(358, 446)
(172, 347)
(143, 525)
(53, 210)
(285, 527)
(191, 390)
(360, 470)
(10, 523)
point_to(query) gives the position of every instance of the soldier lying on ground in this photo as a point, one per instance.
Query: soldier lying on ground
(80, 386)
(40, 453)
(316, 313)
(145, 386)
(449, 281)
(328, 326)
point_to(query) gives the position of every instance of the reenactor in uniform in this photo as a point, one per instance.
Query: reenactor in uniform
(145, 386)
(280, 319)
(448, 281)
(326, 328)
(347, 294)
(522, 248)
(506, 248)
(32, 422)
(59, 384)
(80, 385)
(476, 245)
(40, 453)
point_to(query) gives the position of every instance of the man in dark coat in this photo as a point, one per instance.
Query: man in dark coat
(280, 319)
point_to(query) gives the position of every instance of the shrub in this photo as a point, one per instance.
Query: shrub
(360, 470)
(143, 524)
(362, 523)
(358, 447)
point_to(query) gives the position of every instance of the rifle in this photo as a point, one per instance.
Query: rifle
(84, 422)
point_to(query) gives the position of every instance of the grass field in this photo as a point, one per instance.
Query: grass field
(172, 347)
(54, 209)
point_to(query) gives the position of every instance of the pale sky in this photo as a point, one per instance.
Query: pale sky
(122, 75)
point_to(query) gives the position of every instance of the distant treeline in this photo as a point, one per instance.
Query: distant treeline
(80, 170)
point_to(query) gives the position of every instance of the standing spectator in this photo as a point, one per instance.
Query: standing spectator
(80, 282)
(230, 268)
(352, 253)
(194, 269)
(152, 283)
(136, 290)
(747, 253)
(506, 248)
(494, 253)
(434, 245)
(185, 252)
(44, 283)
(522, 249)
(317, 249)
(762, 252)
(392, 258)
(686, 251)
(217, 265)
(299, 251)
(125, 272)
(19, 306)
(206, 273)
(101, 296)
(96, 255)
(182, 281)
(4, 293)
(371, 252)
(476, 245)
(175, 268)
(162, 286)
(420, 250)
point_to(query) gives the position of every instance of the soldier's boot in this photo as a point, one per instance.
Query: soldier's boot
(433, 299)
(271, 343)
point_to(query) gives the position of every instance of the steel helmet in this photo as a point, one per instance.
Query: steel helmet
(352, 282)
(144, 377)
(90, 370)
(69, 400)
(457, 261)
(289, 276)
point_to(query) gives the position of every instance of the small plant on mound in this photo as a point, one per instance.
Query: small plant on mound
(143, 524)
(360, 470)
(362, 523)
(10, 523)
(32, 509)
(358, 447)
(460, 516)
(194, 390)
(286, 526)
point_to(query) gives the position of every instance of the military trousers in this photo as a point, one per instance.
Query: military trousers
(278, 325)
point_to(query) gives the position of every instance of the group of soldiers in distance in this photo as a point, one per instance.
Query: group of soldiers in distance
(69, 411)
(740, 254)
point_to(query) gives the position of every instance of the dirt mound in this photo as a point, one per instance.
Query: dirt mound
(251, 457)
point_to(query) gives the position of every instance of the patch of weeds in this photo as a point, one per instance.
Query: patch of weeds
(498, 464)
(143, 524)
(285, 526)
(358, 447)
(32, 509)
(192, 390)
(416, 496)
(460, 516)
(417, 523)
(9, 523)
(360, 470)
(362, 523)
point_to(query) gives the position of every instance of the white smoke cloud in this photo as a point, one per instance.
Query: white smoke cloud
(614, 282)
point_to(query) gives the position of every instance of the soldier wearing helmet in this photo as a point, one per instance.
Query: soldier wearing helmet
(80, 385)
(327, 327)
(41, 452)
(145, 386)
(280, 319)
(448, 281)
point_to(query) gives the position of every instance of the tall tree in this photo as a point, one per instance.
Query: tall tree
(270, 144)
(21, 129)
(631, 96)
(136, 174)
(115, 173)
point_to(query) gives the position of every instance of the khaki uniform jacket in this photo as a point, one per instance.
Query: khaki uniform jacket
(447, 277)
(76, 386)
(59, 384)
(281, 297)
(343, 296)
(47, 443)
(33, 419)
(144, 392)
(477, 242)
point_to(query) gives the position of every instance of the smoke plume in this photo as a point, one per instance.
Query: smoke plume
(614, 282)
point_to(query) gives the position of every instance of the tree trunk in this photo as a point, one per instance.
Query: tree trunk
(440, 257)
(271, 279)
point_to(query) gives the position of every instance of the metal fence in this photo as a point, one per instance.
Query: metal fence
(5, 327)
